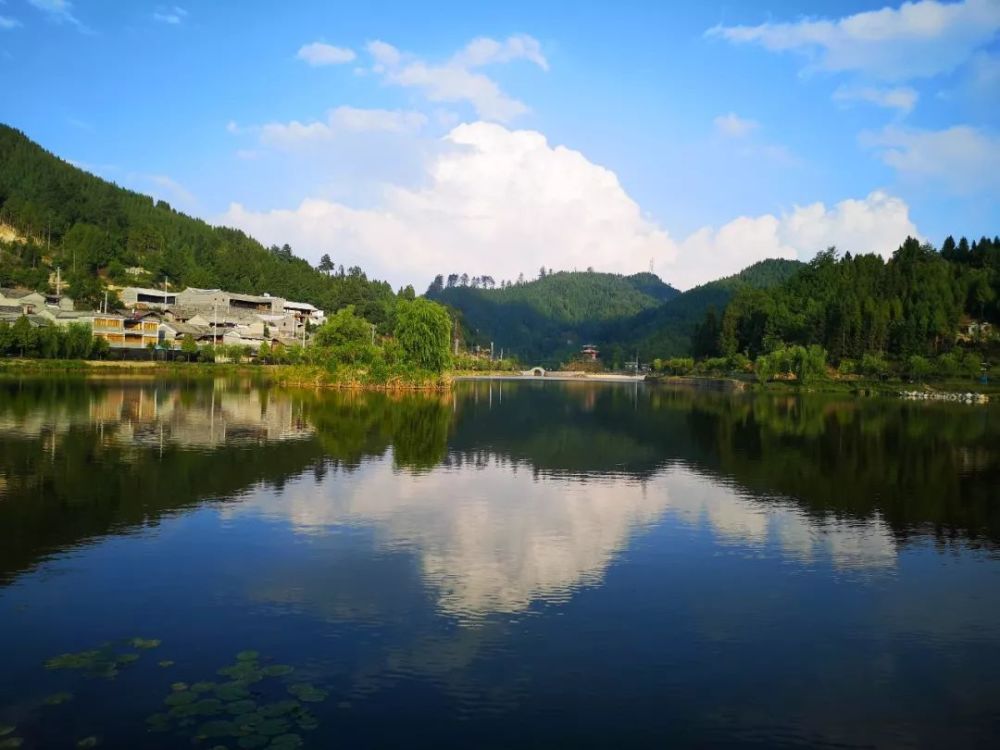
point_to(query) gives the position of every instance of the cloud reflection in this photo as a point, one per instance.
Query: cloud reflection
(490, 540)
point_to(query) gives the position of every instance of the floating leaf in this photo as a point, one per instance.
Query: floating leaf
(145, 643)
(180, 698)
(252, 741)
(179, 686)
(11, 742)
(215, 729)
(88, 742)
(81, 660)
(307, 693)
(247, 656)
(243, 672)
(273, 727)
(207, 707)
(286, 742)
(241, 707)
(280, 708)
(232, 691)
(6, 729)
(307, 721)
(166, 663)
(57, 699)
(158, 722)
(127, 658)
(277, 670)
(203, 687)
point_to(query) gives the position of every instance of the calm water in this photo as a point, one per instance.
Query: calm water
(530, 565)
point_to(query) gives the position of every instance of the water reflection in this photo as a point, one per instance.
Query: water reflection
(641, 560)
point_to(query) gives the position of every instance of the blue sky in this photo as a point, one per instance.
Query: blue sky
(416, 138)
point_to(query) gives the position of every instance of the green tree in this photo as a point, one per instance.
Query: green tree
(23, 337)
(189, 347)
(343, 328)
(423, 330)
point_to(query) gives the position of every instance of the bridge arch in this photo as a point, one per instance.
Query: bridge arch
(538, 372)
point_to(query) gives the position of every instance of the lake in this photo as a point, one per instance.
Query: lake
(512, 564)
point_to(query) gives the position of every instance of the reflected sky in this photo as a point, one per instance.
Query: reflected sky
(592, 565)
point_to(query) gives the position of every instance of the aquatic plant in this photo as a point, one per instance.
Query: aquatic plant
(57, 699)
(237, 710)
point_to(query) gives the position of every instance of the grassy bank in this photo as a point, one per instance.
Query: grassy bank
(291, 375)
(847, 385)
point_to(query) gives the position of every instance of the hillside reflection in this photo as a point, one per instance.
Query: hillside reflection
(507, 494)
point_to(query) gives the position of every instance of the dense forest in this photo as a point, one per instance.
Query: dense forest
(919, 303)
(669, 330)
(550, 316)
(54, 214)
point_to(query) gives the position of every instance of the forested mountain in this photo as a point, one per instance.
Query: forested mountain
(95, 230)
(549, 318)
(670, 329)
(909, 305)
(552, 315)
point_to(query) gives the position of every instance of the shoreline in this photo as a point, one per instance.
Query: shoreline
(314, 376)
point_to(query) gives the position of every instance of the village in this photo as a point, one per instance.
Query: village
(160, 320)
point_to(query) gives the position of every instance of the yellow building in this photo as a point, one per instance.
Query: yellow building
(134, 331)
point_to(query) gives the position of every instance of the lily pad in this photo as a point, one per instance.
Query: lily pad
(11, 742)
(307, 693)
(252, 741)
(57, 699)
(279, 708)
(6, 729)
(232, 691)
(286, 742)
(178, 687)
(237, 708)
(216, 729)
(145, 643)
(180, 698)
(127, 658)
(81, 660)
(158, 722)
(277, 670)
(203, 687)
(88, 742)
(243, 671)
(166, 663)
(207, 707)
(273, 727)
(247, 656)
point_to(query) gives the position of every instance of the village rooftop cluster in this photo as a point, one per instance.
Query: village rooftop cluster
(161, 319)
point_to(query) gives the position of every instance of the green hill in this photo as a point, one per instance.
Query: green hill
(553, 315)
(549, 318)
(667, 330)
(95, 230)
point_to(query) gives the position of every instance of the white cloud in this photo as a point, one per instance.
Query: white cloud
(734, 126)
(961, 159)
(318, 53)
(59, 11)
(341, 120)
(918, 39)
(8, 23)
(172, 15)
(507, 201)
(457, 80)
(172, 190)
(485, 51)
(902, 98)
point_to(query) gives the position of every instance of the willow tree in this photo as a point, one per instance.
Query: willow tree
(423, 329)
